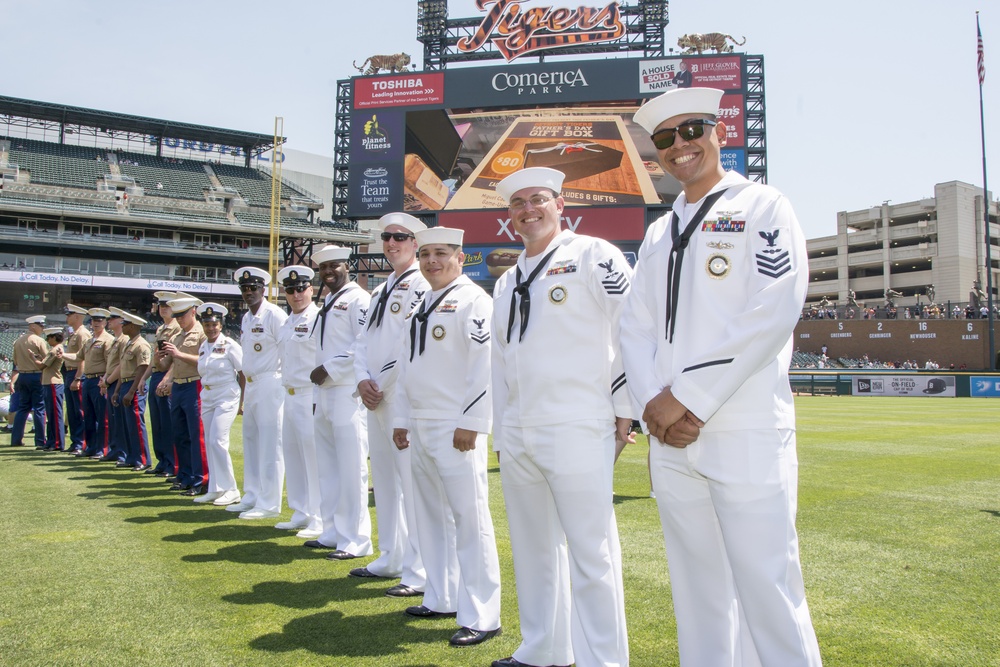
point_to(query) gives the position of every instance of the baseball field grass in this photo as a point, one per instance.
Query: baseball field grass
(899, 524)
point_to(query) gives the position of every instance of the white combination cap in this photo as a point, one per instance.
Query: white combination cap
(53, 331)
(401, 219)
(183, 304)
(162, 297)
(532, 177)
(35, 319)
(331, 253)
(251, 274)
(79, 310)
(295, 275)
(132, 318)
(676, 103)
(117, 312)
(102, 313)
(212, 311)
(443, 235)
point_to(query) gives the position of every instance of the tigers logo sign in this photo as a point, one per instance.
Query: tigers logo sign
(517, 31)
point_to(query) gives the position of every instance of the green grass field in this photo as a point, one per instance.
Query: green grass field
(899, 523)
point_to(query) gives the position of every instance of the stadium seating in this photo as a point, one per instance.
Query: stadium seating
(59, 164)
(181, 179)
(253, 186)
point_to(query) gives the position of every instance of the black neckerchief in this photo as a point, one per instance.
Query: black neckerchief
(680, 242)
(420, 321)
(521, 289)
(376, 317)
(321, 317)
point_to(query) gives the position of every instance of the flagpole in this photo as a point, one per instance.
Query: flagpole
(986, 200)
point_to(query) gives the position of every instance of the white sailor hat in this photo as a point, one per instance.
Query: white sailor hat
(212, 311)
(248, 275)
(401, 219)
(116, 312)
(183, 304)
(163, 297)
(532, 177)
(99, 313)
(132, 318)
(330, 253)
(675, 103)
(70, 308)
(295, 275)
(443, 235)
(35, 319)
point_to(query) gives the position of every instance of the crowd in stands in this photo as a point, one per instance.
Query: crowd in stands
(926, 312)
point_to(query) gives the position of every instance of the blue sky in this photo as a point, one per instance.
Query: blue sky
(866, 101)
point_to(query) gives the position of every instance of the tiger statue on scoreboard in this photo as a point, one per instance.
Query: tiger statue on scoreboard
(697, 42)
(397, 62)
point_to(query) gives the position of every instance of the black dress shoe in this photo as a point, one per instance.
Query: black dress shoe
(194, 491)
(81, 453)
(108, 457)
(315, 544)
(420, 611)
(162, 473)
(123, 464)
(364, 573)
(177, 486)
(40, 447)
(149, 471)
(171, 480)
(513, 662)
(340, 555)
(17, 444)
(138, 467)
(403, 591)
(470, 637)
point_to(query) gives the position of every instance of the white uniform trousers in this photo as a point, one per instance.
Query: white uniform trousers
(454, 526)
(263, 459)
(219, 406)
(342, 458)
(392, 479)
(727, 504)
(302, 484)
(557, 487)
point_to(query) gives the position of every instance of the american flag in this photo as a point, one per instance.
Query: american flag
(981, 60)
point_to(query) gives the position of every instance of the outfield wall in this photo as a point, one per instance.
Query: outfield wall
(924, 384)
(945, 342)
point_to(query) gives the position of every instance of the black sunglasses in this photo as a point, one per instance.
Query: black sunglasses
(688, 130)
(297, 288)
(398, 237)
(250, 287)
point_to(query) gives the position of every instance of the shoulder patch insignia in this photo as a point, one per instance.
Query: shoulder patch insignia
(773, 266)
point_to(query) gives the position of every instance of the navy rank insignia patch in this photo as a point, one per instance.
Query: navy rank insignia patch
(480, 335)
(614, 282)
(773, 261)
(558, 295)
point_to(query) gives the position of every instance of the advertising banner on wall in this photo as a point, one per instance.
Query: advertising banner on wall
(983, 386)
(903, 385)
(611, 224)
(663, 74)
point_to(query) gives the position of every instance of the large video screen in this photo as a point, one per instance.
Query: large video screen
(433, 141)
(437, 143)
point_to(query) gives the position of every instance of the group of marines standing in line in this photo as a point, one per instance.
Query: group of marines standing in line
(415, 375)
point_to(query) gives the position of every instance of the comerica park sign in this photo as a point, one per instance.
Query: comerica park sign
(517, 31)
